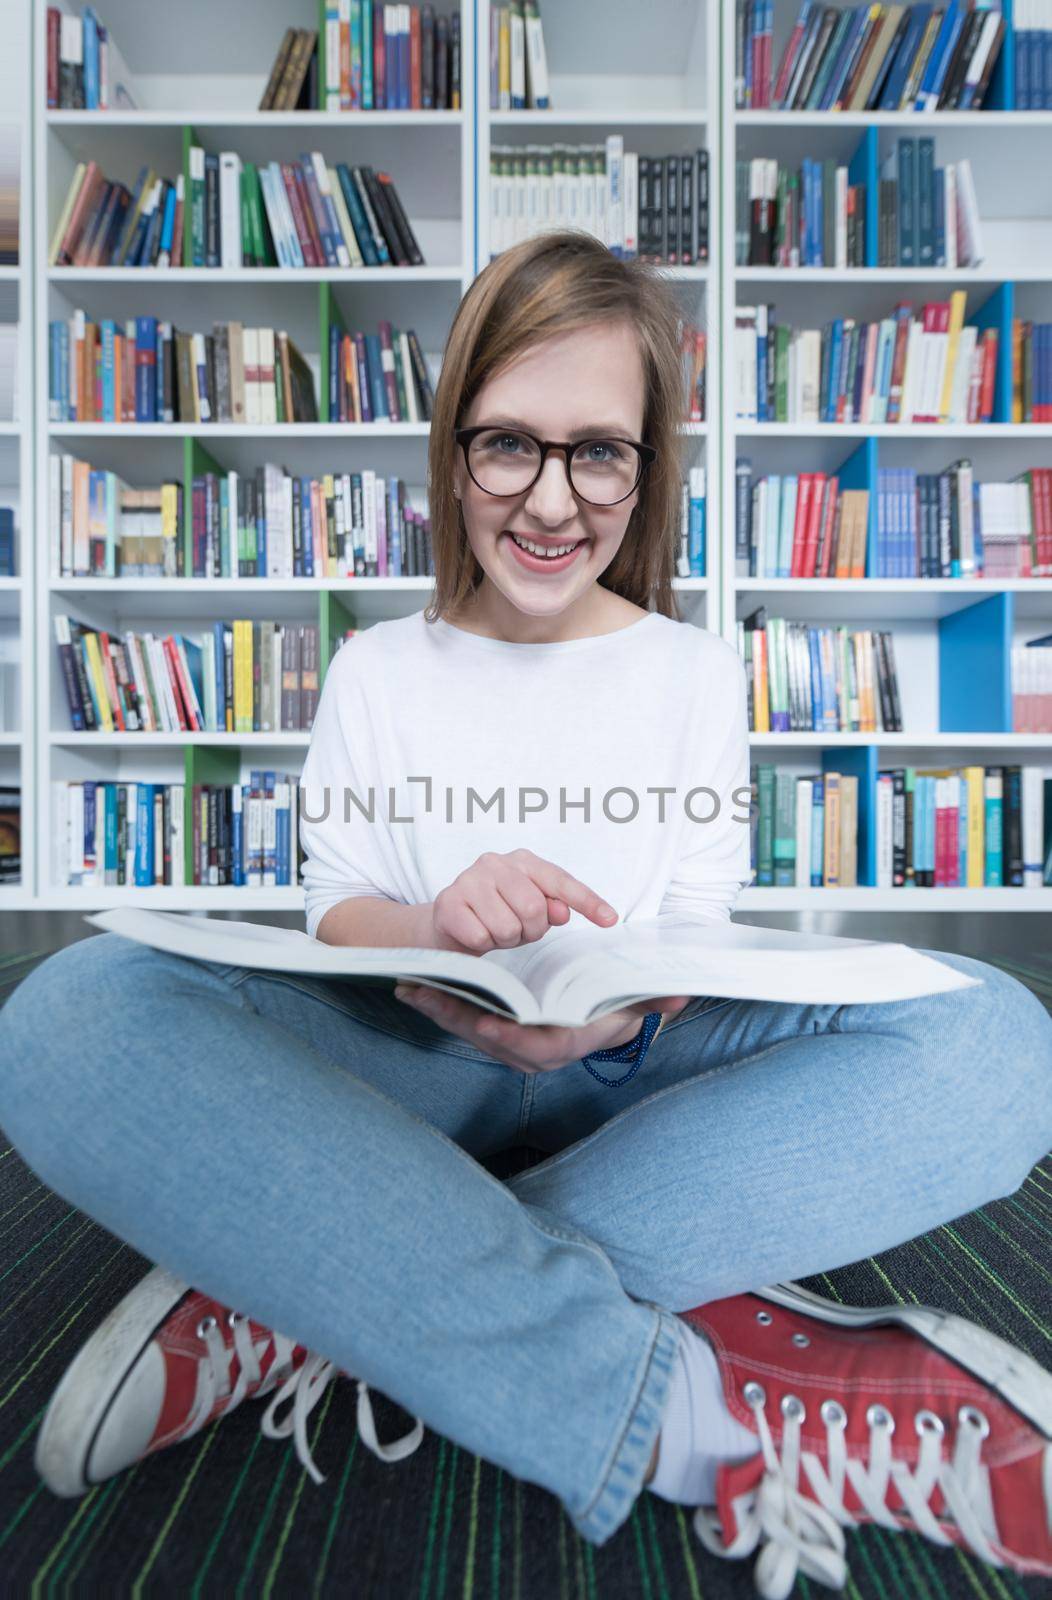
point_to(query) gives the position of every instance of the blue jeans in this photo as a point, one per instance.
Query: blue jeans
(308, 1152)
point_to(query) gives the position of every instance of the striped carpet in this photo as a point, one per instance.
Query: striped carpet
(230, 1513)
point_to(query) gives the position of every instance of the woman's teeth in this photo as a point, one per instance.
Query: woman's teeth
(542, 549)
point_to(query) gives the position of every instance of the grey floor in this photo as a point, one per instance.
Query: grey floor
(1013, 934)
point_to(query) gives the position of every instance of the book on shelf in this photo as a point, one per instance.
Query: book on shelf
(144, 834)
(868, 57)
(1032, 38)
(147, 370)
(647, 208)
(932, 368)
(382, 57)
(968, 827)
(7, 542)
(378, 377)
(10, 834)
(85, 69)
(804, 679)
(1031, 669)
(691, 553)
(518, 60)
(293, 81)
(1032, 364)
(799, 525)
(582, 974)
(238, 677)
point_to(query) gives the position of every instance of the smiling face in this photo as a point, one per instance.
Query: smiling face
(585, 383)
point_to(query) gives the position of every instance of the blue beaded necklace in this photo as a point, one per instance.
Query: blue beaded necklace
(635, 1048)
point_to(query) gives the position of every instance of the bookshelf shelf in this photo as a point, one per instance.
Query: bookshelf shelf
(237, 430)
(259, 275)
(192, 897)
(179, 741)
(893, 430)
(334, 121)
(920, 741)
(595, 117)
(937, 276)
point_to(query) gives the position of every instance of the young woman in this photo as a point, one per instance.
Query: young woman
(310, 1152)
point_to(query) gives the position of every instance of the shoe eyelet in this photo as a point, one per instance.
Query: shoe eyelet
(801, 1341)
(928, 1422)
(755, 1394)
(234, 1317)
(793, 1407)
(833, 1414)
(205, 1324)
(764, 1318)
(880, 1417)
(971, 1417)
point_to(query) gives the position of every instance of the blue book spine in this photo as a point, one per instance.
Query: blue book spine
(394, 537)
(940, 217)
(367, 55)
(761, 373)
(219, 667)
(145, 385)
(939, 60)
(895, 82)
(907, 203)
(237, 836)
(1022, 71)
(168, 225)
(90, 811)
(308, 529)
(818, 815)
(925, 179)
(144, 834)
(696, 538)
(993, 874)
(91, 59)
(913, 524)
(282, 821)
(110, 857)
(836, 345)
(374, 363)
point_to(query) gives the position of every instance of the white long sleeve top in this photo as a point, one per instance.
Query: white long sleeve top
(432, 745)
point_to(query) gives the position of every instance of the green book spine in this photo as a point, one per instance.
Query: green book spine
(396, 342)
(197, 218)
(765, 776)
(909, 785)
(784, 845)
(367, 55)
(248, 252)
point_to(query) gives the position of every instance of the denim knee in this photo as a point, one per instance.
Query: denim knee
(1000, 1034)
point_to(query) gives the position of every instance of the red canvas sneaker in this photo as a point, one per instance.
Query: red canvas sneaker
(904, 1416)
(166, 1362)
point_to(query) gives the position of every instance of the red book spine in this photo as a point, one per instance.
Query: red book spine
(788, 62)
(803, 517)
(116, 704)
(415, 60)
(303, 233)
(182, 705)
(898, 364)
(185, 688)
(52, 57)
(814, 522)
(986, 393)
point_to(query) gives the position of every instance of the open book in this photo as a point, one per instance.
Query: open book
(575, 974)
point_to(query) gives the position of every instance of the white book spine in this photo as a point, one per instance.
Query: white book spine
(631, 211)
(536, 63)
(518, 61)
(229, 209)
(615, 193)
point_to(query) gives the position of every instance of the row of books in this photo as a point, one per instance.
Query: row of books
(869, 57)
(810, 216)
(904, 368)
(927, 216)
(390, 58)
(693, 534)
(269, 524)
(928, 525)
(945, 828)
(518, 61)
(147, 370)
(293, 81)
(147, 834)
(85, 70)
(804, 679)
(1031, 371)
(290, 214)
(378, 377)
(654, 208)
(1031, 667)
(1032, 36)
(239, 677)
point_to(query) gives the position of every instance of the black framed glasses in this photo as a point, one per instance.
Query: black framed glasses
(508, 461)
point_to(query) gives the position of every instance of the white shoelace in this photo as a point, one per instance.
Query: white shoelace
(305, 1385)
(799, 1533)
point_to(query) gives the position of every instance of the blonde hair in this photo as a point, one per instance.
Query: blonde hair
(550, 284)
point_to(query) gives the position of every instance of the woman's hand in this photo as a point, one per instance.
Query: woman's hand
(503, 901)
(531, 1046)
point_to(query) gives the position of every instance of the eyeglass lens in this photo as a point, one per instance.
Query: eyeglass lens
(602, 471)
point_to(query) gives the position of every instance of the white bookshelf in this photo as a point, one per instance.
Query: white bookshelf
(204, 67)
(667, 86)
(16, 460)
(1003, 148)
